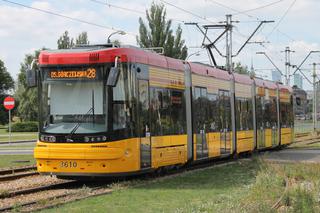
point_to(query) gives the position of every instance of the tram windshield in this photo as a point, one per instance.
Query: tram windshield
(73, 102)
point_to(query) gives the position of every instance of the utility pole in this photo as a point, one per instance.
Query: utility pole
(227, 27)
(229, 43)
(314, 76)
(287, 65)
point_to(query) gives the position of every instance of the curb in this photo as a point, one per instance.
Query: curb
(14, 142)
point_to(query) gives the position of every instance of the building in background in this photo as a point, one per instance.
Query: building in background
(300, 104)
(276, 76)
(298, 80)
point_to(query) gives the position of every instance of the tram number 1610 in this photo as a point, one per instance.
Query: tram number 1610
(68, 164)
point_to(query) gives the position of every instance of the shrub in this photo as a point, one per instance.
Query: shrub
(30, 126)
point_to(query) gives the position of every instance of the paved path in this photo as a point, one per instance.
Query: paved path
(17, 144)
(294, 155)
(16, 152)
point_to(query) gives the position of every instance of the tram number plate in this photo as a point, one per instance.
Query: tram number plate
(68, 164)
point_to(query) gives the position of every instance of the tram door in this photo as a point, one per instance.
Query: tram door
(225, 122)
(144, 123)
(200, 104)
(260, 116)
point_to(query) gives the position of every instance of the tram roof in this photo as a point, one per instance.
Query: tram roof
(99, 54)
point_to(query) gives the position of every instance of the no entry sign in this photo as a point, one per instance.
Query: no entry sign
(8, 103)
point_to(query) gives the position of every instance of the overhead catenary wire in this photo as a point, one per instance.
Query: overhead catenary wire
(282, 17)
(68, 17)
(187, 11)
(127, 9)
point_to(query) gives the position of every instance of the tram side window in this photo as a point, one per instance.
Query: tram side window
(213, 113)
(201, 108)
(284, 115)
(259, 113)
(160, 111)
(274, 115)
(250, 114)
(178, 113)
(267, 113)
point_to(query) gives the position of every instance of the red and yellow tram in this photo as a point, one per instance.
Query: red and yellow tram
(108, 111)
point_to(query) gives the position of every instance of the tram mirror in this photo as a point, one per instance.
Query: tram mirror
(113, 77)
(31, 78)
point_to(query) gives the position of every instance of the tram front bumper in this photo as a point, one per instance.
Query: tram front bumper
(112, 157)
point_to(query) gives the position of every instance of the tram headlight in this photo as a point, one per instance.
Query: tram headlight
(47, 138)
(52, 138)
(99, 138)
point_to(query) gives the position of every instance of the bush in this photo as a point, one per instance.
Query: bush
(30, 126)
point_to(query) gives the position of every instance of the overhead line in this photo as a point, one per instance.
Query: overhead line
(189, 12)
(258, 8)
(127, 9)
(283, 16)
(66, 17)
(118, 7)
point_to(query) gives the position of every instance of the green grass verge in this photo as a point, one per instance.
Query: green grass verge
(218, 189)
(17, 136)
(243, 187)
(8, 160)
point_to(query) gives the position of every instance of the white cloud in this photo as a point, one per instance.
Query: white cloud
(23, 30)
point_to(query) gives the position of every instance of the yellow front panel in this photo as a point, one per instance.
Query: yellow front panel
(286, 135)
(245, 141)
(268, 138)
(169, 156)
(213, 140)
(111, 157)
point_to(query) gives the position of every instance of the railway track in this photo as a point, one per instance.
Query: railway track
(52, 195)
(48, 196)
(16, 173)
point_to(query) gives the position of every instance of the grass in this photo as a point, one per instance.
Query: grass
(8, 160)
(243, 187)
(17, 136)
(198, 191)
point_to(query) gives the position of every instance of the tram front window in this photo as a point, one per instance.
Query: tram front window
(73, 107)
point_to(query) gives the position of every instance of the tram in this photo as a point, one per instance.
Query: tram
(109, 111)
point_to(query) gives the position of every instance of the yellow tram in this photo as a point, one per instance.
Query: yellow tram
(107, 111)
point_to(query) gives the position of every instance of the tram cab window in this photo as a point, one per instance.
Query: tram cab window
(122, 103)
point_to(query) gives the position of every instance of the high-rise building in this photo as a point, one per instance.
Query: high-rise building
(298, 80)
(276, 76)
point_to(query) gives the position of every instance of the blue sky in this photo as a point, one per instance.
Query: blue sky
(23, 30)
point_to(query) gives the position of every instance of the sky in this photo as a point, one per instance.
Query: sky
(296, 25)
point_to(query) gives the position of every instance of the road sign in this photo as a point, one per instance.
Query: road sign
(8, 103)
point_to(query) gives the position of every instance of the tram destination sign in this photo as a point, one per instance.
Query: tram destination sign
(89, 73)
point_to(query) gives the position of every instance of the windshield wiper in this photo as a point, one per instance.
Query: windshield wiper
(82, 118)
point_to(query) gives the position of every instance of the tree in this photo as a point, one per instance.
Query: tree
(82, 38)
(66, 42)
(27, 97)
(6, 83)
(158, 33)
(242, 69)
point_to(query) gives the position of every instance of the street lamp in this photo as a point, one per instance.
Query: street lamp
(195, 53)
(117, 32)
(263, 53)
